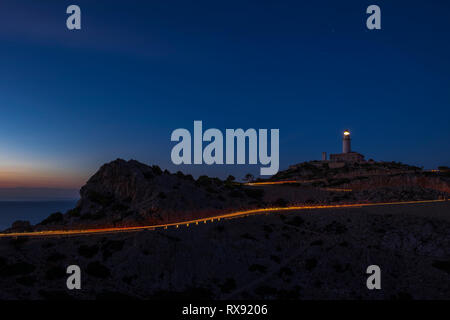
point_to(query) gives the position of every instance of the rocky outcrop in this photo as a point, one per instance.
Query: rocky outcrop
(21, 226)
(130, 193)
(327, 170)
(124, 193)
(402, 180)
(367, 176)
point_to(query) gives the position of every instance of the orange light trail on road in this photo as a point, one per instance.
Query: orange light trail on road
(270, 183)
(223, 216)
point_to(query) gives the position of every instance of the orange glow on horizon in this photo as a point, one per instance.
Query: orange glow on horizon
(28, 177)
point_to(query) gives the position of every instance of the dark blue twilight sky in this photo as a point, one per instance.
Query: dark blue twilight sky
(137, 70)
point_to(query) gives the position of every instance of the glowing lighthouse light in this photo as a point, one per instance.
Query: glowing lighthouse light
(346, 142)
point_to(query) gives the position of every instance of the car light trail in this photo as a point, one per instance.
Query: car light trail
(271, 183)
(204, 220)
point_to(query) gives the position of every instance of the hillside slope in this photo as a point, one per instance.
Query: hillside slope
(129, 193)
(126, 193)
(317, 254)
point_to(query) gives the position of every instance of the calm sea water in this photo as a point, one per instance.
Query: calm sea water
(33, 211)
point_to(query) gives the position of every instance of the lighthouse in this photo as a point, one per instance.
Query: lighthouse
(346, 142)
(347, 154)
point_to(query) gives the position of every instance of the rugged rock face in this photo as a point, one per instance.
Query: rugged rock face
(329, 171)
(21, 226)
(129, 193)
(402, 180)
(124, 193)
(379, 177)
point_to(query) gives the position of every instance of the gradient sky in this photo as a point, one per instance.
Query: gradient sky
(73, 100)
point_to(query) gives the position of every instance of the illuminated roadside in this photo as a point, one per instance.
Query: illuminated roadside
(204, 220)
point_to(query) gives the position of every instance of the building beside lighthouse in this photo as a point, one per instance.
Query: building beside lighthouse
(347, 154)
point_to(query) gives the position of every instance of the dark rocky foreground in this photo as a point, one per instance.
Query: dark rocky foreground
(317, 254)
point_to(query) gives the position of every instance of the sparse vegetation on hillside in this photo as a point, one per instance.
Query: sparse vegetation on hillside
(325, 170)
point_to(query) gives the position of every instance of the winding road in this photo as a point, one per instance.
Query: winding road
(188, 223)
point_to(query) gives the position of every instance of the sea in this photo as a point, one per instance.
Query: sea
(33, 211)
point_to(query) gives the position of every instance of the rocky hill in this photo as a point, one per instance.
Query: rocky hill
(312, 254)
(127, 193)
(365, 176)
(334, 170)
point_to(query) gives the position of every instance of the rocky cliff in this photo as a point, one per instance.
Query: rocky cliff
(401, 180)
(129, 193)
(126, 193)
(365, 176)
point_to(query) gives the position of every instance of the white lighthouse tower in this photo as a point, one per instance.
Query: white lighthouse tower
(347, 154)
(346, 142)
